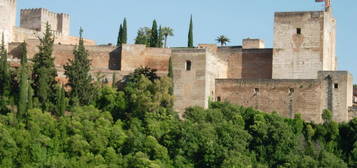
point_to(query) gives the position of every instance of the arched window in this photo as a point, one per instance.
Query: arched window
(188, 65)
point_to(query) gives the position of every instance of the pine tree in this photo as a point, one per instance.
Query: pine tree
(77, 72)
(5, 77)
(44, 71)
(154, 39)
(24, 83)
(125, 32)
(190, 34)
(120, 35)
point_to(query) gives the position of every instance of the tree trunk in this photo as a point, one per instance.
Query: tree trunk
(165, 41)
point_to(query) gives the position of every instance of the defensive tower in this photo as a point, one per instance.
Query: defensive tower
(304, 43)
(7, 18)
(36, 19)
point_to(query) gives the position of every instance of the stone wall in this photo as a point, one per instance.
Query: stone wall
(309, 97)
(253, 43)
(105, 59)
(286, 97)
(133, 56)
(7, 18)
(337, 93)
(304, 43)
(189, 85)
(247, 63)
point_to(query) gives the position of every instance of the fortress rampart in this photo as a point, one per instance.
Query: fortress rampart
(297, 75)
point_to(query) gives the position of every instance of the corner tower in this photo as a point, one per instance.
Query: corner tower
(304, 43)
(7, 18)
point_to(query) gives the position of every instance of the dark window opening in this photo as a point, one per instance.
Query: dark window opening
(336, 86)
(219, 99)
(298, 31)
(291, 91)
(256, 91)
(188, 65)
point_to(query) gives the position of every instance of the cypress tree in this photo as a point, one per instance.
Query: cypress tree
(24, 84)
(154, 38)
(125, 32)
(120, 35)
(171, 76)
(114, 80)
(5, 77)
(60, 101)
(77, 72)
(44, 71)
(30, 97)
(190, 34)
(161, 38)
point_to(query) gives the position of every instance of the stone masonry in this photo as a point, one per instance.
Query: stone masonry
(297, 76)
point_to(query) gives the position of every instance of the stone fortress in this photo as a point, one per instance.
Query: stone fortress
(297, 75)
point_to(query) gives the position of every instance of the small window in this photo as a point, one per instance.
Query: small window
(291, 91)
(336, 86)
(298, 31)
(188, 65)
(256, 91)
(219, 99)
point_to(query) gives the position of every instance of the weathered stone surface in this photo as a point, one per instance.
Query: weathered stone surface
(304, 43)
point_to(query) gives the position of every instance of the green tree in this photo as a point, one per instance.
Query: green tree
(5, 77)
(44, 71)
(167, 31)
(154, 38)
(61, 101)
(77, 72)
(125, 32)
(143, 36)
(114, 80)
(120, 35)
(30, 97)
(223, 40)
(190, 34)
(24, 83)
(171, 76)
(161, 38)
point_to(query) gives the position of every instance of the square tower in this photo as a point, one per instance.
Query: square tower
(36, 19)
(7, 18)
(304, 44)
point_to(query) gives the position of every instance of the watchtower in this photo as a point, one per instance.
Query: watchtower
(304, 44)
(36, 19)
(7, 18)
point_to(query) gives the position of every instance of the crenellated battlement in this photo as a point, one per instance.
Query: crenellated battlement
(12, 2)
(36, 19)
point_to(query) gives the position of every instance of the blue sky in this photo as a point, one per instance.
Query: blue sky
(236, 19)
